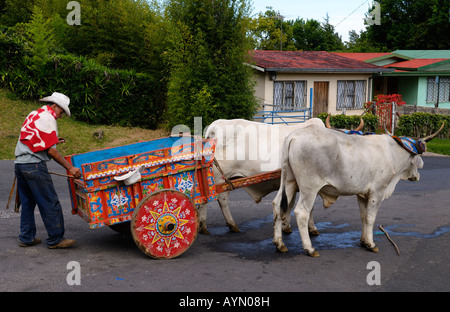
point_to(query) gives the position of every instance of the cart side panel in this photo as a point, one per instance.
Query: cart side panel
(117, 152)
(103, 201)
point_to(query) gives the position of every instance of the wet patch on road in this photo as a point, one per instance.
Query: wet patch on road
(331, 237)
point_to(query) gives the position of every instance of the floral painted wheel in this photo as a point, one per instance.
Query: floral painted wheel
(165, 224)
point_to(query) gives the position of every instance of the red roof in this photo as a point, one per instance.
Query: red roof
(319, 61)
(416, 63)
(361, 56)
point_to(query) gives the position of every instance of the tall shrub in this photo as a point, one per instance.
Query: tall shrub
(208, 49)
(40, 38)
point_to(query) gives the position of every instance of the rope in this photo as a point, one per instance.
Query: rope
(223, 175)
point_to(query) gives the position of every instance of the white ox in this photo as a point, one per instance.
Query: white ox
(330, 163)
(246, 148)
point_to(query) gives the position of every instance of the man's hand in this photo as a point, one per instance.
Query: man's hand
(75, 172)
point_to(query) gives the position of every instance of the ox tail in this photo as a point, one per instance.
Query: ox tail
(284, 201)
(284, 168)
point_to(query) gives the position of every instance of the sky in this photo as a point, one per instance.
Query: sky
(345, 15)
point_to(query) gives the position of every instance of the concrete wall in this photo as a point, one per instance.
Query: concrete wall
(410, 109)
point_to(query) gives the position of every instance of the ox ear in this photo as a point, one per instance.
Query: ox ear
(417, 161)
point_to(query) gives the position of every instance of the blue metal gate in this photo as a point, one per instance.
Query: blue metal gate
(271, 116)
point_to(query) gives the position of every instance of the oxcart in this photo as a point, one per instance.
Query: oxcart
(152, 188)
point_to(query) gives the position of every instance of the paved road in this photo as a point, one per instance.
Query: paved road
(417, 217)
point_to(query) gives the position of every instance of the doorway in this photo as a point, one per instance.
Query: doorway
(320, 97)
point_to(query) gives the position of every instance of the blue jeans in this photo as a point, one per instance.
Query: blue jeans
(35, 186)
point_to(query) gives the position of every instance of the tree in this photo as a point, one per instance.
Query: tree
(40, 38)
(207, 52)
(112, 32)
(412, 24)
(309, 35)
(332, 40)
(269, 31)
(13, 12)
(361, 43)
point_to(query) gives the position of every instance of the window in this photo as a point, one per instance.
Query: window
(432, 89)
(289, 95)
(351, 94)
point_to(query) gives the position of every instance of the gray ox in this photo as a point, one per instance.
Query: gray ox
(246, 148)
(327, 162)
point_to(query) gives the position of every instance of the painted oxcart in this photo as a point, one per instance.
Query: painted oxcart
(151, 188)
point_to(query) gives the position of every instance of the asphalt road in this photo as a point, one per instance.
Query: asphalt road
(417, 217)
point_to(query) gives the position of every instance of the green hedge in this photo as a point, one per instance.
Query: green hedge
(416, 125)
(99, 95)
(351, 121)
(420, 125)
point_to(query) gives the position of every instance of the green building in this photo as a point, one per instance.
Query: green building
(422, 77)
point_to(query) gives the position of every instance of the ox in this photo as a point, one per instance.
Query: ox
(329, 163)
(246, 148)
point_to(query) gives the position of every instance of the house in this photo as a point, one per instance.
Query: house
(419, 75)
(302, 84)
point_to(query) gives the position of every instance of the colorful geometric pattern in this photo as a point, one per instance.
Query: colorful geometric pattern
(411, 145)
(165, 224)
(414, 146)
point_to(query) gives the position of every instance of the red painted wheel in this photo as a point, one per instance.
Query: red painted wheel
(165, 224)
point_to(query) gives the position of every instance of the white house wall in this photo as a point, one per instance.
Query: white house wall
(264, 87)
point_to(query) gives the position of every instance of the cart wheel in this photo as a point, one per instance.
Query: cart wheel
(165, 224)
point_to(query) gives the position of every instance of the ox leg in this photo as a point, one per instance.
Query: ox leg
(313, 231)
(368, 210)
(202, 209)
(302, 213)
(278, 221)
(291, 191)
(225, 208)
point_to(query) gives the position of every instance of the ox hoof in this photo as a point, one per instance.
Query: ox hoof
(314, 233)
(204, 231)
(281, 248)
(287, 230)
(313, 254)
(373, 249)
(367, 245)
(234, 228)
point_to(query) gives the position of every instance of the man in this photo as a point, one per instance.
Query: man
(36, 146)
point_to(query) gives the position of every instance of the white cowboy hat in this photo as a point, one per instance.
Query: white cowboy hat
(59, 99)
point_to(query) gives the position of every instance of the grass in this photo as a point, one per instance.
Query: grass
(79, 136)
(439, 146)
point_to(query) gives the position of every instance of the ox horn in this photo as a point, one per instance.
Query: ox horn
(361, 125)
(431, 137)
(327, 122)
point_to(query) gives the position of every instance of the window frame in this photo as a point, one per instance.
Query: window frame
(299, 101)
(343, 95)
(444, 90)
